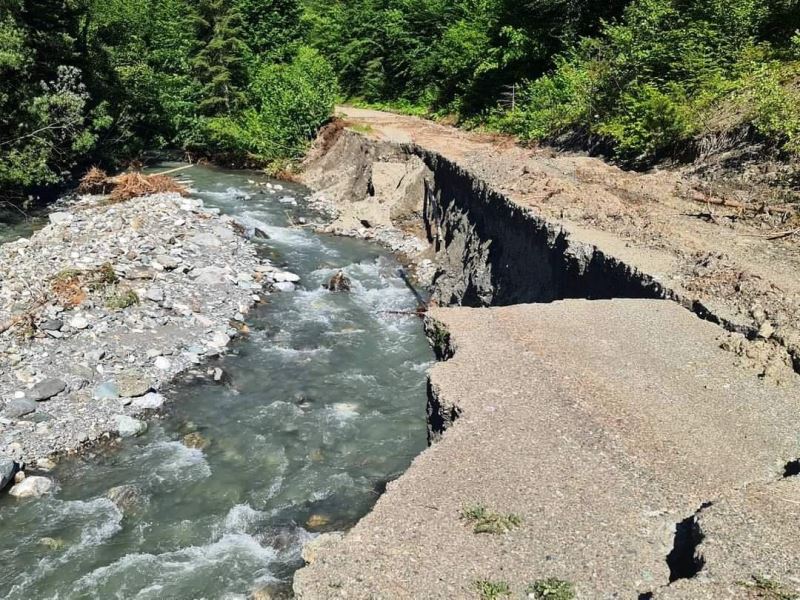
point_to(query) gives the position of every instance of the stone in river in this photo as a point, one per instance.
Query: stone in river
(285, 276)
(19, 407)
(32, 487)
(129, 427)
(284, 286)
(338, 283)
(132, 384)
(44, 390)
(127, 498)
(7, 470)
(196, 441)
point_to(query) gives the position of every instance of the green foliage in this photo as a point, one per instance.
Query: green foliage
(551, 589)
(101, 81)
(484, 520)
(491, 590)
(121, 299)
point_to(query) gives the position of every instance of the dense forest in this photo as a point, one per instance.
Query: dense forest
(100, 81)
(249, 81)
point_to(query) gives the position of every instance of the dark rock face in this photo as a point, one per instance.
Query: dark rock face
(338, 283)
(7, 470)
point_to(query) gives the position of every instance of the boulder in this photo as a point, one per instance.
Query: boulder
(151, 401)
(127, 498)
(338, 283)
(8, 468)
(32, 487)
(133, 384)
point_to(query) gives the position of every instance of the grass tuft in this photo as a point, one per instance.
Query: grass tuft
(491, 590)
(484, 520)
(550, 589)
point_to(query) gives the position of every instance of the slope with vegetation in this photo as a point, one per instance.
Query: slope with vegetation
(101, 81)
(638, 79)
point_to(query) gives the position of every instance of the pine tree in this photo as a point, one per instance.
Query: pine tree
(220, 64)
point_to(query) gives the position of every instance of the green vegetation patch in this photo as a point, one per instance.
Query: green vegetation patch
(122, 299)
(550, 589)
(491, 590)
(484, 520)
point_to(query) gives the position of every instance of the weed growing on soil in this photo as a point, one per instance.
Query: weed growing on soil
(491, 590)
(122, 299)
(102, 277)
(66, 285)
(763, 587)
(550, 589)
(488, 521)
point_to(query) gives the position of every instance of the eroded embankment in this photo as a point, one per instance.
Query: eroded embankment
(607, 427)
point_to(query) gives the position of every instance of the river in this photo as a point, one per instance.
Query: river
(322, 403)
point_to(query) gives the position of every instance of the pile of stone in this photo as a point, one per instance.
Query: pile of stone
(104, 306)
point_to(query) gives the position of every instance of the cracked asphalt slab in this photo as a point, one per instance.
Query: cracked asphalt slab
(602, 424)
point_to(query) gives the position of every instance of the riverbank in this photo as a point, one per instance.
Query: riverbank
(590, 435)
(104, 306)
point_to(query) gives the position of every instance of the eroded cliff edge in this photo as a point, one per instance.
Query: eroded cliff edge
(619, 428)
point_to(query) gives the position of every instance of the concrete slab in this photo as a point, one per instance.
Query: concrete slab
(601, 424)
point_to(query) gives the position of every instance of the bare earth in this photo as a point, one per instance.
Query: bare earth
(641, 458)
(659, 222)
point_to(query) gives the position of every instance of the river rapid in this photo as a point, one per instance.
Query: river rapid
(320, 405)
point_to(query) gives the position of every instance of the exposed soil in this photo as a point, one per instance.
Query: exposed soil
(732, 256)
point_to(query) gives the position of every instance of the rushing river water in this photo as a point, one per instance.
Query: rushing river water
(323, 403)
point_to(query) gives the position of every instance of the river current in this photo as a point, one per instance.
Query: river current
(321, 404)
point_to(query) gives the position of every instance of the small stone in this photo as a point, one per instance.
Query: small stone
(211, 276)
(132, 384)
(220, 340)
(154, 353)
(151, 401)
(169, 263)
(51, 325)
(78, 322)
(284, 286)
(32, 487)
(162, 364)
(317, 521)
(19, 476)
(285, 276)
(44, 390)
(196, 441)
(45, 464)
(61, 218)
(130, 427)
(19, 407)
(106, 391)
(155, 294)
(205, 239)
(52, 543)
(766, 330)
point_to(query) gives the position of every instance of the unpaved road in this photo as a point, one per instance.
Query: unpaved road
(721, 258)
(638, 457)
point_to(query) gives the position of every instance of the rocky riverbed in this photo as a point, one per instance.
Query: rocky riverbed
(103, 306)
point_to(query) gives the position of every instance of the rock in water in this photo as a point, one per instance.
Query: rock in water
(127, 498)
(196, 441)
(32, 487)
(44, 390)
(338, 283)
(130, 427)
(7, 470)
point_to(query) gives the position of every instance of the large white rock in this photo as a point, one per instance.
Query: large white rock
(130, 427)
(32, 487)
(59, 218)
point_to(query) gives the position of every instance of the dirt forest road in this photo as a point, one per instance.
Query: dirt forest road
(737, 265)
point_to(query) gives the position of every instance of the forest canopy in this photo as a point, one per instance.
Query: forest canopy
(250, 81)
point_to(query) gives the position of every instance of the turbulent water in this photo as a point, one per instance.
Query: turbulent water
(322, 404)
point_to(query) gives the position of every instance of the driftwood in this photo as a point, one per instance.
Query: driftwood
(422, 305)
